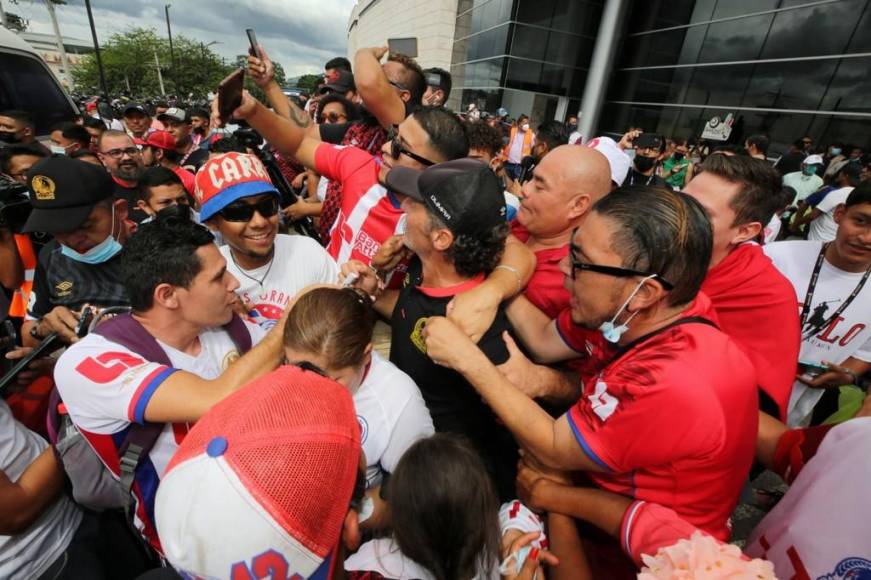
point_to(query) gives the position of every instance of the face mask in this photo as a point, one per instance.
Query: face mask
(613, 333)
(178, 211)
(58, 150)
(524, 127)
(8, 137)
(810, 170)
(102, 252)
(572, 128)
(643, 163)
(836, 151)
(678, 156)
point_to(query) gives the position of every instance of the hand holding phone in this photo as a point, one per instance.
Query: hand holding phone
(252, 39)
(230, 94)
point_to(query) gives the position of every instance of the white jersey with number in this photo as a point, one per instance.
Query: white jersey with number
(392, 416)
(299, 261)
(107, 387)
(847, 335)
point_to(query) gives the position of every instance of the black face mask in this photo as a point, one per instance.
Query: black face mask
(8, 137)
(572, 128)
(177, 211)
(644, 164)
(678, 156)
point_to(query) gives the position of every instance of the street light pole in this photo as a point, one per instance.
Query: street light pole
(171, 51)
(67, 76)
(97, 50)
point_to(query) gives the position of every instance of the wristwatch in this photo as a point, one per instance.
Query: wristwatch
(34, 330)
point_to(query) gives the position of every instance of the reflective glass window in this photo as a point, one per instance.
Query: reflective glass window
(818, 30)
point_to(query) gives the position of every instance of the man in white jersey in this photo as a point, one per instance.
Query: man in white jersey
(830, 281)
(182, 297)
(238, 200)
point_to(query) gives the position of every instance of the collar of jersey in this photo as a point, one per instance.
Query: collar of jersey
(452, 290)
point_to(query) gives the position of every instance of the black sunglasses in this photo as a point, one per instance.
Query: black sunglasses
(243, 212)
(610, 270)
(397, 149)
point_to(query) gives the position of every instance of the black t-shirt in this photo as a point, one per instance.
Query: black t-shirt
(131, 194)
(194, 160)
(636, 178)
(62, 281)
(455, 405)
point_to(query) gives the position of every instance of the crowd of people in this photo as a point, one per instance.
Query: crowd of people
(363, 336)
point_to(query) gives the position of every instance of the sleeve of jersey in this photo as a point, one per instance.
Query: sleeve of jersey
(340, 163)
(573, 335)
(105, 386)
(413, 423)
(38, 304)
(630, 425)
(647, 527)
(864, 352)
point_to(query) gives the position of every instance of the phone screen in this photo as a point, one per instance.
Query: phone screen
(230, 93)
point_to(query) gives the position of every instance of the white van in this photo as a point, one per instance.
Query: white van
(27, 84)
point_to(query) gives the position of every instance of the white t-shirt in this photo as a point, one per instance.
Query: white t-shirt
(298, 262)
(28, 554)
(824, 228)
(383, 556)
(106, 387)
(846, 336)
(772, 229)
(392, 416)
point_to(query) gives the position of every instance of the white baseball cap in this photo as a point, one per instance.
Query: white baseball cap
(813, 160)
(617, 159)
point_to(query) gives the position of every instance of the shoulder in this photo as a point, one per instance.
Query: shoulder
(48, 251)
(298, 243)
(388, 383)
(789, 250)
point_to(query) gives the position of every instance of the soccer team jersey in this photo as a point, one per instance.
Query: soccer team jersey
(545, 288)
(106, 387)
(672, 419)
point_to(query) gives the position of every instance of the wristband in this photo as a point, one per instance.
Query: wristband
(34, 330)
(515, 272)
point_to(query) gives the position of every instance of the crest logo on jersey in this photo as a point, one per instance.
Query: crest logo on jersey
(850, 569)
(229, 359)
(417, 335)
(43, 187)
(64, 288)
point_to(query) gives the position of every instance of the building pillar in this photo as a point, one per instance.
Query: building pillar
(600, 66)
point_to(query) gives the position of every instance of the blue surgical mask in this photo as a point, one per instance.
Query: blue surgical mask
(102, 252)
(810, 170)
(58, 150)
(836, 151)
(613, 333)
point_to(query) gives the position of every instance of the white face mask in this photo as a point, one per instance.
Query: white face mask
(613, 333)
(524, 127)
(58, 150)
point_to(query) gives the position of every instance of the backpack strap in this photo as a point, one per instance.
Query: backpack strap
(239, 334)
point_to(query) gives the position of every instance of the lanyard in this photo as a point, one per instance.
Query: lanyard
(632, 177)
(809, 296)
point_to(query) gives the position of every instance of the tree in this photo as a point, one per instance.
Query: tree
(309, 82)
(129, 65)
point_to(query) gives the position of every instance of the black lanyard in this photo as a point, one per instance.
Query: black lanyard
(632, 176)
(809, 296)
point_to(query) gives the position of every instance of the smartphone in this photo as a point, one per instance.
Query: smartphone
(252, 38)
(230, 93)
(406, 46)
(811, 369)
(48, 344)
(85, 319)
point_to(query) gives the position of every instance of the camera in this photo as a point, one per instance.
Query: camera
(15, 205)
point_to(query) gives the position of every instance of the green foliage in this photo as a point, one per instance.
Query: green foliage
(309, 82)
(129, 61)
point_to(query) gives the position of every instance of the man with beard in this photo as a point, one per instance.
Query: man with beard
(200, 131)
(18, 128)
(179, 126)
(123, 158)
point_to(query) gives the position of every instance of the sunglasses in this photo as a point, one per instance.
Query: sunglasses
(119, 153)
(334, 117)
(243, 212)
(611, 270)
(397, 148)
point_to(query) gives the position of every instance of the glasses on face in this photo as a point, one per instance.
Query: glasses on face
(397, 148)
(119, 153)
(610, 270)
(243, 212)
(335, 118)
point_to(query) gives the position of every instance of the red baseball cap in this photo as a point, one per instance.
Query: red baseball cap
(161, 140)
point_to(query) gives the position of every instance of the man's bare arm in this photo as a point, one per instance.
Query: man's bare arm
(379, 96)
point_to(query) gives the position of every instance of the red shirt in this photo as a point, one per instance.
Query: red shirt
(187, 178)
(673, 420)
(368, 214)
(545, 288)
(756, 307)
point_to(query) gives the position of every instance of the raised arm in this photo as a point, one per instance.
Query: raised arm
(374, 88)
(537, 332)
(262, 72)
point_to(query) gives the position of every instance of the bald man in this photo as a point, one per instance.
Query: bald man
(565, 185)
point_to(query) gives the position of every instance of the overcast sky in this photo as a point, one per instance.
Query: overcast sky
(300, 34)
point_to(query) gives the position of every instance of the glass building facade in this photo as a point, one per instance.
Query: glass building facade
(785, 68)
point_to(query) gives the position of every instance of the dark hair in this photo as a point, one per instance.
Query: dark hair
(79, 153)
(161, 252)
(484, 137)
(155, 177)
(761, 142)
(161, 104)
(20, 116)
(93, 123)
(7, 153)
(798, 144)
(473, 253)
(351, 110)
(553, 134)
(522, 116)
(760, 185)
(336, 323)
(445, 132)
(445, 81)
(860, 194)
(663, 232)
(73, 132)
(226, 144)
(198, 112)
(412, 77)
(679, 141)
(444, 508)
(339, 62)
(853, 173)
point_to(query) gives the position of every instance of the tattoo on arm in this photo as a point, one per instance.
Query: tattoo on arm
(299, 116)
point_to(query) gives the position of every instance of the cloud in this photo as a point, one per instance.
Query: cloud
(300, 34)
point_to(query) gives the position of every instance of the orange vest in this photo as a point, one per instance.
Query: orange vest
(527, 143)
(18, 308)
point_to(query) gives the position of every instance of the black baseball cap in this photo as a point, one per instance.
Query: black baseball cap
(341, 83)
(464, 193)
(63, 191)
(650, 141)
(136, 107)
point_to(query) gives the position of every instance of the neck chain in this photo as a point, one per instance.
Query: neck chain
(250, 277)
